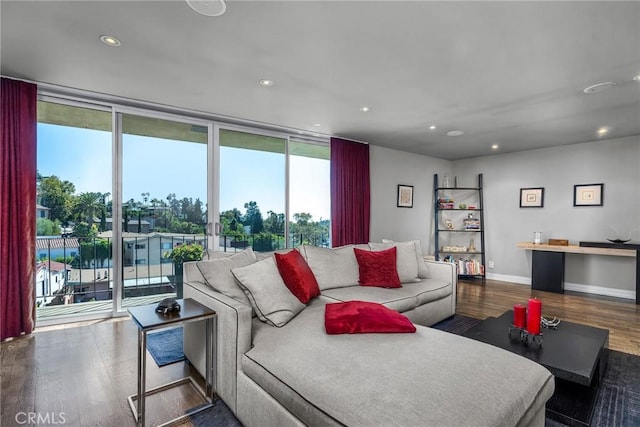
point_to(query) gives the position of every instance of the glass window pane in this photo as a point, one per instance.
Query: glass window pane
(252, 191)
(164, 188)
(309, 194)
(73, 273)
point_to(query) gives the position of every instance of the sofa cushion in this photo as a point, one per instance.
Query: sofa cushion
(423, 270)
(378, 268)
(362, 317)
(272, 301)
(297, 275)
(430, 377)
(333, 268)
(398, 299)
(217, 273)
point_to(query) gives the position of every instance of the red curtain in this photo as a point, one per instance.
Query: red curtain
(350, 202)
(17, 207)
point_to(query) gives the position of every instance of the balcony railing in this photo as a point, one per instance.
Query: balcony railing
(77, 270)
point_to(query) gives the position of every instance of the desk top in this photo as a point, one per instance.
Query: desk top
(575, 249)
(146, 317)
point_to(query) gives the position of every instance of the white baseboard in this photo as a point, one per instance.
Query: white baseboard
(575, 287)
(522, 280)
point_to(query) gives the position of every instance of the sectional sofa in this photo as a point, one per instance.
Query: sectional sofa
(276, 364)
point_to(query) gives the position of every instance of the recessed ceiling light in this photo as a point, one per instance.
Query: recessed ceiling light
(110, 41)
(432, 127)
(364, 109)
(603, 131)
(599, 87)
(637, 78)
(208, 7)
(495, 146)
(265, 82)
(317, 125)
(455, 133)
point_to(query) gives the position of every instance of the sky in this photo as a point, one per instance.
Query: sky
(160, 167)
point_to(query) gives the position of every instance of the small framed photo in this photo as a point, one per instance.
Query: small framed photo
(405, 196)
(588, 195)
(532, 197)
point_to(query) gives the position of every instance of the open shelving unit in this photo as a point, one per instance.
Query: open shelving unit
(458, 215)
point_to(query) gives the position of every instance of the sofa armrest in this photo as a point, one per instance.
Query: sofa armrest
(444, 271)
(233, 338)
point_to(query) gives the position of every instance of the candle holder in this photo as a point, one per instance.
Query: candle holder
(525, 336)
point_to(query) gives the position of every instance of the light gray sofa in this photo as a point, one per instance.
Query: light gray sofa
(298, 375)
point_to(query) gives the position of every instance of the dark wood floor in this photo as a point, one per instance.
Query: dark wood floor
(87, 370)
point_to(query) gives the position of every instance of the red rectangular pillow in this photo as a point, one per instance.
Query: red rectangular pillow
(362, 317)
(378, 268)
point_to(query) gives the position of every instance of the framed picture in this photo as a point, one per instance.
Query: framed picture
(405, 196)
(532, 197)
(588, 194)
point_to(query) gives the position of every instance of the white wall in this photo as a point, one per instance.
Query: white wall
(616, 163)
(390, 168)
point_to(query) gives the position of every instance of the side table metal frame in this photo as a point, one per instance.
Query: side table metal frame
(208, 394)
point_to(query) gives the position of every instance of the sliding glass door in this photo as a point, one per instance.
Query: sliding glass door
(73, 245)
(163, 203)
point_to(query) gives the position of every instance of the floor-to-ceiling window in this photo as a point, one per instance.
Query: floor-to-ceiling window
(309, 194)
(73, 244)
(119, 189)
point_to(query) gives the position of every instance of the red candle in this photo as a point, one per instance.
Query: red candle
(519, 314)
(534, 313)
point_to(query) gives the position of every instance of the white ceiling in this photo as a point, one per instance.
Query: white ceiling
(510, 73)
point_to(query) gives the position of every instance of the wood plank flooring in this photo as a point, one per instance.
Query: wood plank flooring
(87, 370)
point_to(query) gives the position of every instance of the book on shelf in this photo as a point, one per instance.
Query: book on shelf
(467, 267)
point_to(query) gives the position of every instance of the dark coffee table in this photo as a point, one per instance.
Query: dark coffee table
(576, 354)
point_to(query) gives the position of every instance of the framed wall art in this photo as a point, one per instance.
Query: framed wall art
(588, 195)
(405, 196)
(532, 197)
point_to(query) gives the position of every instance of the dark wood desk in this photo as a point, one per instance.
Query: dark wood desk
(547, 263)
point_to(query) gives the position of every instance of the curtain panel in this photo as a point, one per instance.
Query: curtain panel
(350, 192)
(17, 207)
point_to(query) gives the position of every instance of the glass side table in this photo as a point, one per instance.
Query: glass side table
(147, 319)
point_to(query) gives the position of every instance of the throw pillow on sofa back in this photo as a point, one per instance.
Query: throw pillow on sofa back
(378, 268)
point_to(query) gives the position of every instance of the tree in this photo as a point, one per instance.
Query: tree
(274, 223)
(87, 206)
(253, 217)
(46, 227)
(57, 195)
(84, 229)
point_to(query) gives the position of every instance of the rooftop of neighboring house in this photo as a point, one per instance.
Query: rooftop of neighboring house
(56, 242)
(52, 266)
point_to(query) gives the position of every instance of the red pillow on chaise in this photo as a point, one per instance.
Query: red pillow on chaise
(362, 317)
(378, 268)
(297, 275)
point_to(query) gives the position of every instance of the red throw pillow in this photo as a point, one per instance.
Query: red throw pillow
(297, 275)
(378, 268)
(361, 317)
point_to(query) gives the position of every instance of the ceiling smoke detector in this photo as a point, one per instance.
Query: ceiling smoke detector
(208, 7)
(599, 87)
(455, 133)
